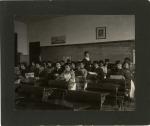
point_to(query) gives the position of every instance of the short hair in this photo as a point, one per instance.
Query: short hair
(57, 62)
(127, 59)
(67, 64)
(42, 63)
(106, 60)
(125, 63)
(95, 62)
(78, 63)
(23, 63)
(62, 61)
(101, 61)
(49, 61)
(69, 60)
(118, 62)
(86, 52)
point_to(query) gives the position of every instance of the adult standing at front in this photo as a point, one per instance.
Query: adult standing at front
(87, 61)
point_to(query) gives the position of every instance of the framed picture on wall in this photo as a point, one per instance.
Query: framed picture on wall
(58, 39)
(100, 32)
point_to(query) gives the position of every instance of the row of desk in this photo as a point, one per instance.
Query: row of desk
(93, 97)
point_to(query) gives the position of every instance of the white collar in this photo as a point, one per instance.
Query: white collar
(87, 58)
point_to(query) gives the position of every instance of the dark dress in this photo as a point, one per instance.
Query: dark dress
(128, 77)
(43, 74)
(56, 71)
(87, 64)
(43, 78)
(36, 72)
(23, 71)
(31, 68)
(100, 73)
(117, 72)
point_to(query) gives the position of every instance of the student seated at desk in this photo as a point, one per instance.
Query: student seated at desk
(57, 71)
(41, 76)
(23, 69)
(42, 72)
(37, 69)
(32, 67)
(126, 71)
(117, 72)
(118, 69)
(44, 64)
(131, 65)
(81, 71)
(98, 70)
(62, 63)
(49, 67)
(129, 79)
(17, 71)
(81, 74)
(68, 75)
(73, 66)
(105, 67)
(18, 76)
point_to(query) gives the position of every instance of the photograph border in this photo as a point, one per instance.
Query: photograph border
(129, 7)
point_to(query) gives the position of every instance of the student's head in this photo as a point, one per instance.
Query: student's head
(67, 67)
(33, 63)
(86, 54)
(101, 63)
(37, 65)
(68, 61)
(41, 68)
(78, 66)
(127, 59)
(106, 61)
(49, 63)
(58, 65)
(44, 63)
(82, 65)
(22, 66)
(62, 62)
(73, 66)
(118, 65)
(95, 64)
(17, 70)
(126, 65)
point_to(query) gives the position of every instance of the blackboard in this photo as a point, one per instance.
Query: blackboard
(116, 50)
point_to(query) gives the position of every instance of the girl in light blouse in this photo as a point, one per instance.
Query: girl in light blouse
(69, 76)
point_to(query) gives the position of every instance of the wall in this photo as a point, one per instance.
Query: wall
(22, 40)
(82, 28)
(21, 30)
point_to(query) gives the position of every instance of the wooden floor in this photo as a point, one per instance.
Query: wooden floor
(128, 106)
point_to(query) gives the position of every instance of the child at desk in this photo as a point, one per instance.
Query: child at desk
(68, 75)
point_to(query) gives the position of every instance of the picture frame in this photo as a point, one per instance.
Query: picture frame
(100, 32)
(58, 39)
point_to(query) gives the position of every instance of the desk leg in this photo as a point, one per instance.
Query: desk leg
(102, 101)
(122, 104)
(116, 97)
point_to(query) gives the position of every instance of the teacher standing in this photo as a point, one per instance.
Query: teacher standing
(87, 61)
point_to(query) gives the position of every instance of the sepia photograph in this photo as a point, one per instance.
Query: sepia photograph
(75, 62)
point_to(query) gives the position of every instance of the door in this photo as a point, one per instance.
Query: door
(34, 51)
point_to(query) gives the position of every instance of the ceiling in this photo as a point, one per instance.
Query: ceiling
(32, 19)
